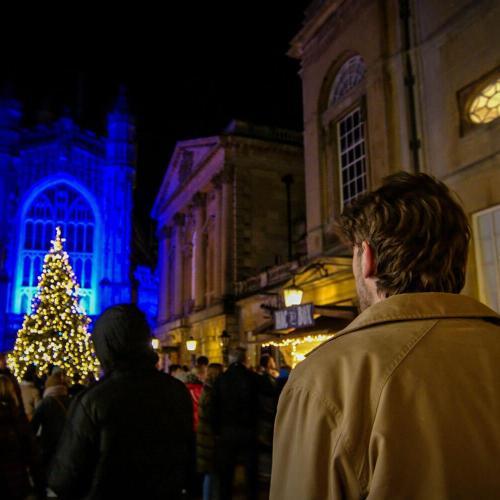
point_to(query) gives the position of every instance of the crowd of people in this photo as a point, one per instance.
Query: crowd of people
(210, 420)
(233, 417)
(32, 417)
(403, 403)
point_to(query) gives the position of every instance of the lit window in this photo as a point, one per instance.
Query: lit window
(349, 76)
(485, 106)
(352, 155)
(487, 241)
(63, 206)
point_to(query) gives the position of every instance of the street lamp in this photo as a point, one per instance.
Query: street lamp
(292, 295)
(191, 344)
(225, 338)
(155, 343)
(191, 347)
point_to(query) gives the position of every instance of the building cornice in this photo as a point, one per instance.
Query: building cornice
(232, 145)
(312, 26)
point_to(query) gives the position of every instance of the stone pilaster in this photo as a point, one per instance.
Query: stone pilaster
(216, 264)
(199, 281)
(227, 176)
(164, 308)
(178, 291)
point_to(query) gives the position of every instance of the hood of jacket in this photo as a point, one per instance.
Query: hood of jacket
(122, 339)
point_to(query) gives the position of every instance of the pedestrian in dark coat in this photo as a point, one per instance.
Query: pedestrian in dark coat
(18, 450)
(50, 416)
(205, 436)
(234, 421)
(131, 434)
(5, 370)
(268, 404)
(29, 391)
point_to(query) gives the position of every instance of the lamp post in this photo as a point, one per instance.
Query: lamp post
(225, 338)
(191, 344)
(292, 295)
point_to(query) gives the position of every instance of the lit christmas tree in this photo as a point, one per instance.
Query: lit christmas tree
(55, 333)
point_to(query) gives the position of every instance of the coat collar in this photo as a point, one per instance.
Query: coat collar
(418, 306)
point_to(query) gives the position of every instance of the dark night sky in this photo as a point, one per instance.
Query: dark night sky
(188, 70)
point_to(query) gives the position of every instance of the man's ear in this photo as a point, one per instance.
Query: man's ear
(367, 260)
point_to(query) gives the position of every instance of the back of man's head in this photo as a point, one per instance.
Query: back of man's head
(173, 368)
(122, 338)
(202, 361)
(418, 232)
(237, 355)
(30, 374)
(264, 361)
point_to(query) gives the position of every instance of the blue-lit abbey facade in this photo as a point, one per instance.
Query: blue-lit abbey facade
(60, 175)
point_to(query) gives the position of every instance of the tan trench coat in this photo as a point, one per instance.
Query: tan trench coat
(402, 404)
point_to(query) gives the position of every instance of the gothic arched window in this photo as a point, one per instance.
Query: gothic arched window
(63, 206)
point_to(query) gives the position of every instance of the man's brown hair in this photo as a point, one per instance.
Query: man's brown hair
(419, 234)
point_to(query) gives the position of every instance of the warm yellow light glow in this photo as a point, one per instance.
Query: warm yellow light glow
(155, 343)
(55, 330)
(300, 346)
(292, 296)
(191, 344)
(297, 341)
(486, 105)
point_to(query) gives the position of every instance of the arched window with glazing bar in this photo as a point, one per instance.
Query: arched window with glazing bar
(59, 205)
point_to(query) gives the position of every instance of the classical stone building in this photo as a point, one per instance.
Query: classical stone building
(222, 216)
(411, 85)
(389, 86)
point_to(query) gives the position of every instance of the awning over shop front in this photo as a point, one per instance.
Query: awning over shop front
(329, 321)
(300, 341)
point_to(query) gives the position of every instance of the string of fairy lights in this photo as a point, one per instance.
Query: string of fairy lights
(56, 330)
(297, 357)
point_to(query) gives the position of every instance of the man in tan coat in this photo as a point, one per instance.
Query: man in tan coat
(405, 402)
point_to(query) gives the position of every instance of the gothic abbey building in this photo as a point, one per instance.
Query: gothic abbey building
(60, 175)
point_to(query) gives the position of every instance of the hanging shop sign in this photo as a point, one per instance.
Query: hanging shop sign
(300, 316)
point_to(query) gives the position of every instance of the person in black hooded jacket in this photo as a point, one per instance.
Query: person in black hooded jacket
(131, 434)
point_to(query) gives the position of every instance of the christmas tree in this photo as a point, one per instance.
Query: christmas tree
(55, 333)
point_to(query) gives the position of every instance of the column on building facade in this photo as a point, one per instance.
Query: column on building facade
(164, 293)
(217, 182)
(199, 203)
(178, 291)
(226, 233)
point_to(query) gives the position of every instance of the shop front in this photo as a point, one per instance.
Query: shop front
(290, 347)
(289, 320)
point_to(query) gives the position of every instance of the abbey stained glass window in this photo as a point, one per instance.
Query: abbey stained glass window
(63, 206)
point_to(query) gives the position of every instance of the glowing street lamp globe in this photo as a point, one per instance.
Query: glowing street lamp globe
(293, 296)
(191, 344)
